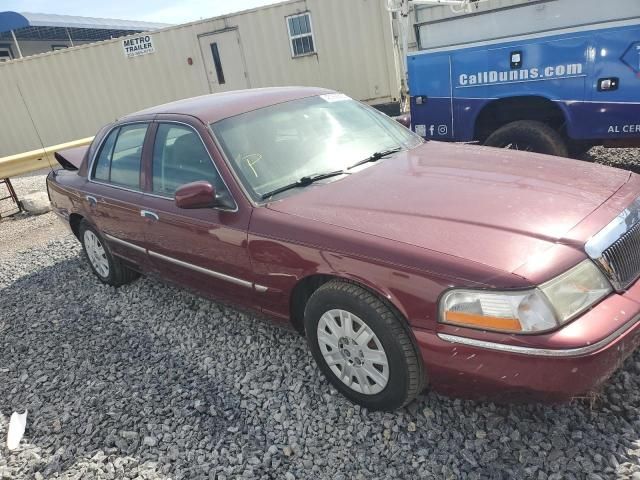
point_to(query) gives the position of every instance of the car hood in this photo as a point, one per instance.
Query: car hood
(496, 207)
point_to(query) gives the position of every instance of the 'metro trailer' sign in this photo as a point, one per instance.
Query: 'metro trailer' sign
(138, 46)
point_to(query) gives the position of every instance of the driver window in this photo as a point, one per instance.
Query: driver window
(180, 157)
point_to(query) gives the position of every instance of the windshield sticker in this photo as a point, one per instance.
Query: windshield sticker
(334, 97)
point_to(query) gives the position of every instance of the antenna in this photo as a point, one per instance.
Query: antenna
(44, 150)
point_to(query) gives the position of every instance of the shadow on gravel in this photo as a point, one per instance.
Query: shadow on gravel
(148, 380)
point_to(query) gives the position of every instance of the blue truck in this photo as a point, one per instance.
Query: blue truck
(558, 92)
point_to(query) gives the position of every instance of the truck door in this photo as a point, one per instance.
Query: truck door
(430, 90)
(615, 84)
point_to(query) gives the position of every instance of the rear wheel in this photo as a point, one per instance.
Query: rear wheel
(363, 346)
(529, 136)
(109, 269)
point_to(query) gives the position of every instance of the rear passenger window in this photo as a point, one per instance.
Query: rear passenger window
(180, 157)
(119, 159)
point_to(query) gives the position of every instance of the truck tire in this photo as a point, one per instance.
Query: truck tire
(530, 136)
(363, 346)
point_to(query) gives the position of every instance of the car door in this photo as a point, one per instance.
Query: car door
(116, 193)
(203, 249)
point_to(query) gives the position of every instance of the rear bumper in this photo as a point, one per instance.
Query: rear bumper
(571, 362)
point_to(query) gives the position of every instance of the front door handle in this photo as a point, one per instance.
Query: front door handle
(149, 215)
(92, 200)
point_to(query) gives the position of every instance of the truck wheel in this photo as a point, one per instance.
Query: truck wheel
(530, 136)
(578, 149)
(108, 269)
(362, 346)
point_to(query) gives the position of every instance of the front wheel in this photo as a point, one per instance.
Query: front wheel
(362, 346)
(530, 136)
(109, 269)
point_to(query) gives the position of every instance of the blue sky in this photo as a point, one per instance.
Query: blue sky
(166, 11)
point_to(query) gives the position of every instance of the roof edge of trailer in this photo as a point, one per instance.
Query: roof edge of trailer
(10, 20)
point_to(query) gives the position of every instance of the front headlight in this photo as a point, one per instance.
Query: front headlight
(552, 304)
(576, 290)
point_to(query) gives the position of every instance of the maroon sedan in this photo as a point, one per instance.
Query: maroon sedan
(476, 271)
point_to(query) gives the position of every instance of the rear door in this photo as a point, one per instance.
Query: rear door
(203, 249)
(116, 194)
(224, 61)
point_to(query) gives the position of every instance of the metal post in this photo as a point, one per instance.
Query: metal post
(15, 40)
(69, 35)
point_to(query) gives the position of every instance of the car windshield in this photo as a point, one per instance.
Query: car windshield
(276, 146)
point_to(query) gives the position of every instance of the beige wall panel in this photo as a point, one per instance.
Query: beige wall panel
(71, 93)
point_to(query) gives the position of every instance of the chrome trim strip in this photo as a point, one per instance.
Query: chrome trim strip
(211, 273)
(126, 244)
(539, 352)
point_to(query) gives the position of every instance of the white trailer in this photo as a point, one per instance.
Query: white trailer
(60, 96)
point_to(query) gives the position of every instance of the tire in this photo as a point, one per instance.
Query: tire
(108, 268)
(327, 316)
(579, 149)
(530, 136)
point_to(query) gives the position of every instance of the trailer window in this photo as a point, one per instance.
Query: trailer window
(300, 34)
(5, 53)
(217, 63)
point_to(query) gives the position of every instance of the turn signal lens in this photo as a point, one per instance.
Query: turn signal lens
(495, 323)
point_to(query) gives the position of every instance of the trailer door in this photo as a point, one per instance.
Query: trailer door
(224, 61)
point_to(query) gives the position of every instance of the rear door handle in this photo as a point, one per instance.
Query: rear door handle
(150, 215)
(92, 200)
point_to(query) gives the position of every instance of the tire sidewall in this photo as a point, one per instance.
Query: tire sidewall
(84, 226)
(537, 135)
(394, 394)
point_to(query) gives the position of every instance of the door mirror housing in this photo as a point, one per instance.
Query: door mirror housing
(193, 195)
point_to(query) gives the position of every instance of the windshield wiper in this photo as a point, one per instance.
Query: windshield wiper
(375, 157)
(303, 182)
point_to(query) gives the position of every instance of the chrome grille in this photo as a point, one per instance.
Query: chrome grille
(616, 248)
(621, 261)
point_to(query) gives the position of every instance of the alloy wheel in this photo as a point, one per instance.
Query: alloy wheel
(96, 253)
(353, 352)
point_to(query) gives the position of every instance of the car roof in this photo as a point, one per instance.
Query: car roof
(218, 106)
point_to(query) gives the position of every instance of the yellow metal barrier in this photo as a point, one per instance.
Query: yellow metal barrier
(36, 159)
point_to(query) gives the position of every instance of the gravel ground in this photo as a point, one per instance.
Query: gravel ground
(22, 231)
(150, 382)
(627, 158)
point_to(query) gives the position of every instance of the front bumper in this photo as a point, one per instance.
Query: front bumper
(570, 362)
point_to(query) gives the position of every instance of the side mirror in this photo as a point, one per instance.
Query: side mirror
(404, 119)
(199, 194)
